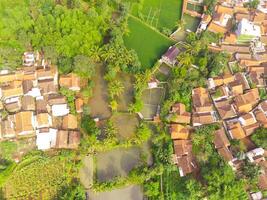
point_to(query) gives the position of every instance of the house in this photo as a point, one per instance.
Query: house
(170, 57)
(245, 102)
(79, 105)
(225, 109)
(256, 155)
(225, 153)
(43, 120)
(179, 114)
(257, 79)
(261, 117)
(12, 90)
(8, 127)
(249, 123)
(220, 139)
(236, 88)
(60, 110)
(24, 123)
(179, 132)
(28, 59)
(47, 73)
(221, 92)
(235, 130)
(183, 157)
(199, 119)
(74, 139)
(205, 20)
(27, 86)
(13, 106)
(70, 122)
(234, 48)
(247, 30)
(46, 138)
(28, 103)
(201, 100)
(70, 81)
(62, 139)
(47, 86)
(41, 106)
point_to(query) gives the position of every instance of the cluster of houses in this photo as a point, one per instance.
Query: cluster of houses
(235, 99)
(32, 106)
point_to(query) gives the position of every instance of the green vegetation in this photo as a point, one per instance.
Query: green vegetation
(52, 173)
(7, 149)
(260, 137)
(70, 95)
(263, 93)
(159, 13)
(150, 47)
(191, 23)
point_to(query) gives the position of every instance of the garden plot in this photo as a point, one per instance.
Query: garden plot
(152, 99)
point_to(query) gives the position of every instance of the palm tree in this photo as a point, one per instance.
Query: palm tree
(96, 53)
(113, 105)
(115, 88)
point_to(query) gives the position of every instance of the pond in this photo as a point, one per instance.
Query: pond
(126, 124)
(99, 105)
(117, 162)
(133, 192)
(127, 96)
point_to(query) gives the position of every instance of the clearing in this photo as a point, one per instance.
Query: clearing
(148, 43)
(159, 13)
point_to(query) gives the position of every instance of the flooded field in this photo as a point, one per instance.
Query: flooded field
(126, 124)
(99, 102)
(117, 162)
(128, 95)
(133, 192)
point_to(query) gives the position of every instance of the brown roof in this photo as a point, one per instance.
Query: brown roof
(70, 122)
(179, 132)
(56, 99)
(201, 100)
(182, 147)
(47, 86)
(27, 86)
(257, 78)
(7, 127)
(247, 119)
(261, 117)
(227, 78)
(13, 107)
(263, 106)
(187, 164)
(236, 131)
(232, 48)
(79, 105)
(230, 38)
(251, 128)
(245, 102)
(203, 118)
(240, 16)
(41, 106)
(23, 122)
(225, 153)
(215, 28)
(224, 9)
(28, 103)
(9, 92)
(62, 139)
(263, 181)
(259, 17)
(220, 139)
(226, 110)
(43, 120)
(74, 139)
(69, 81)
(181, 116)
(47, 72)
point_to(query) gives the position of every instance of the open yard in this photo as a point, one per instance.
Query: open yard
(99, 102)
(148, 43)
(152, 98)
(126, 124)
(159, 13)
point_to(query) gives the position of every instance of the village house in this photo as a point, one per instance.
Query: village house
(179, 132)
(24, 123)
(170, 57)
(245, 102)
(70, 81)
(178, 114)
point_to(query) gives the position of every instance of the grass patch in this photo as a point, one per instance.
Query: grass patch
(159, 13)
(148, 43)
(191, 23)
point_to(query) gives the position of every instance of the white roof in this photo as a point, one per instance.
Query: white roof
(46, 140)
(35, 92)
(60, 110)
(246, 27)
